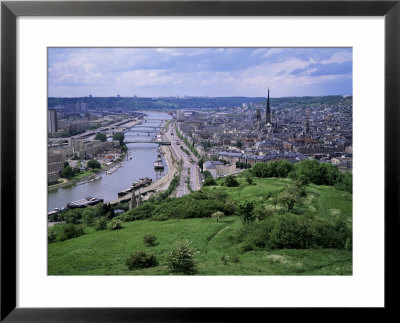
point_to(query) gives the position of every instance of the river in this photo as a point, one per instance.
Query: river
(141, 165)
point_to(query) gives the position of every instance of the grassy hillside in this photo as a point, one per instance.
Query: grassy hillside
(219, 252)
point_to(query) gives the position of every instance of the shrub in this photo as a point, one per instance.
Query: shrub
(70, 231)
(115, 224)
(218, 215)
(249, 179)
(231, 181)
(100, 224)
(72, 216)
(290, 231)
(235, 258)
(261, 212)
(245, 211)
(150, 239)
(140, 259)
(88, 215)
(140, 212)
(51, 235)
(209, 181)
(181, 260)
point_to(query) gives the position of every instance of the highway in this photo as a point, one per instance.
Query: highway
(190, 170)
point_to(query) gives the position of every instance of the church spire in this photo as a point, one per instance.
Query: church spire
(268, 111)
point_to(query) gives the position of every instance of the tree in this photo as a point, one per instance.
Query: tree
(209, 181)
(231, 181)
(245, 211)
(100, 224)
(88, 215)
(120, 137)
(67, 172)
(93, 164)
(260, 170)
(239, 144)
(218, 215)
(101, 136)
(249, 179)
(200, 164)
(207, 174)
(181, 260)
(292, 195)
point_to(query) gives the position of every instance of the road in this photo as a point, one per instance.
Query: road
(190, 170)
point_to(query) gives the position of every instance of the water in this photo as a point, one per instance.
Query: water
(141, 165)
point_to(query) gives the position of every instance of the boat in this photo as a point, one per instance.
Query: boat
(158, 164)
(143, 182)
(88, 201)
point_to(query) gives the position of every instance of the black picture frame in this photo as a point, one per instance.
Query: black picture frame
(10, 10)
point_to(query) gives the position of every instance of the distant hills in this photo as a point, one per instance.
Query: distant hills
(140, 103)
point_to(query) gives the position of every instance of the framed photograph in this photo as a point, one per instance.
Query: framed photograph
(197, 152)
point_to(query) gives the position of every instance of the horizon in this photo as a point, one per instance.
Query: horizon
(196, 96)
(213, 72)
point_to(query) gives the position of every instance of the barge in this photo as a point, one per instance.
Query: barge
(158, 164)
(88, 201)
(143, 182)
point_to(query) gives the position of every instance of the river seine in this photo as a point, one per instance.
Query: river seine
(141, 165)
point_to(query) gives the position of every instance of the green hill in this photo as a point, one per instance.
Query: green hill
(224, 247)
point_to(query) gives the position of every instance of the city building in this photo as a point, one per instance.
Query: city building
(55, 164)
(180, 115)
(218, 169)
(52, 126)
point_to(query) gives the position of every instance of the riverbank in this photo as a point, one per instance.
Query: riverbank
(139, 166)
(93, 175)
(161, 184)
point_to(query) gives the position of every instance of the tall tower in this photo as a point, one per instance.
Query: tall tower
(307, 130)
(52, 126)
(258, 119)
(268, 111)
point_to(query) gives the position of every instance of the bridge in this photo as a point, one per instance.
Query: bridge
(162, 120)
(162, 143)
(142, 126)
(143, 131)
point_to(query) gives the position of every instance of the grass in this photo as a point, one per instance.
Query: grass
(105, 252)
(84, 174)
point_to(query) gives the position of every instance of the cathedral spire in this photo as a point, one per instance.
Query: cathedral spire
(268, 111)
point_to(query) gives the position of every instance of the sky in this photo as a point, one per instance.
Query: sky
(152, 72)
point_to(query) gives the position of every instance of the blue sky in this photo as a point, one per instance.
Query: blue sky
(74, 72)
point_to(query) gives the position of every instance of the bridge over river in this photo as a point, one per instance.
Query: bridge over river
(162, 143)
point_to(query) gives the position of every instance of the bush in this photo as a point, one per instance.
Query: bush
(181, 260)
(72, 216)
(289, 231)
(100, 224)
(245, 211)
(249, 179)
(261, 212)
(150, 239)
(70, 231)
(51, 235)
(235, 258)
(115, 224)
(218, 215)
(209, 181)
(140, 259)
(93, 164)
(231, 181)
(88, 215)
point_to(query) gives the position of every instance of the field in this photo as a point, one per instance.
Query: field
(218, 253)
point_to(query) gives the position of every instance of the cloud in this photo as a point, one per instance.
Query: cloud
(199, 71)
